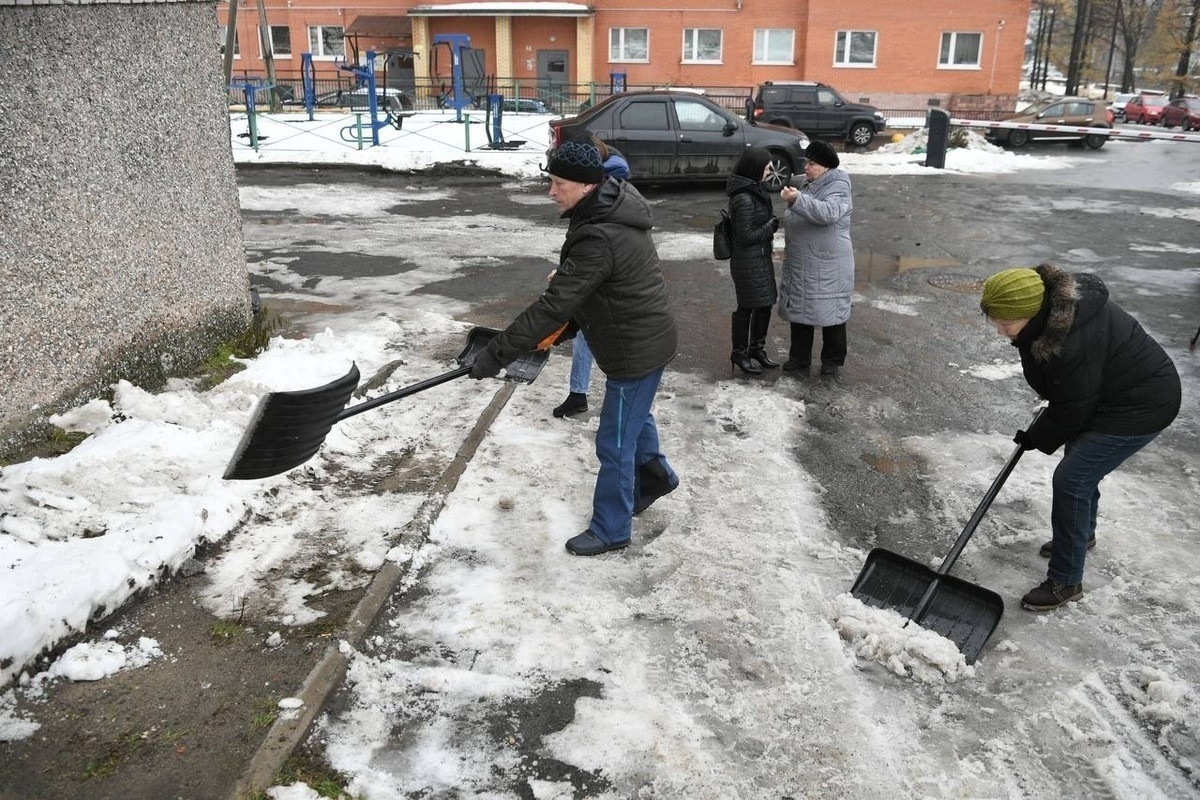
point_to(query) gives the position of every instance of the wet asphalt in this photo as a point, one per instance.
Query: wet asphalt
(922, 242)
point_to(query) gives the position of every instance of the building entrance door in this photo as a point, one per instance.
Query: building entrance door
(552, 72)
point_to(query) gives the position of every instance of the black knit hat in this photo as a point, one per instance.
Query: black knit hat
(752, 163)
(822, 153)
(577, 161)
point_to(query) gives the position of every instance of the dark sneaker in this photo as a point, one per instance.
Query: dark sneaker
(792, 365)
(1050, 595)
(589, 544)
(1044, 550)
(829, 370)
(576, 403)
(653, 482)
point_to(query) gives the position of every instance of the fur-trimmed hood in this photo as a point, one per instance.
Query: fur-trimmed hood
(1071, 299)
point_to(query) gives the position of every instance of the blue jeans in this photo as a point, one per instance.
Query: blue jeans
(1087, 459)
(581, 365)
(625, 439)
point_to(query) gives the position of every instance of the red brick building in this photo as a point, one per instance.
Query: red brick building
(893, 55)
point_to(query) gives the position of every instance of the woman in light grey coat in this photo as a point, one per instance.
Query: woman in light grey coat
(818, 265)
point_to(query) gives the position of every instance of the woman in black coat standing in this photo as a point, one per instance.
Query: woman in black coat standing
(753, 223)
(1111, 389)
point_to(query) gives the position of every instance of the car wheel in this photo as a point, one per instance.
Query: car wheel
(861, 134)
(1018, 139)
(1095, 140)
(1162, 121)
(779, 171)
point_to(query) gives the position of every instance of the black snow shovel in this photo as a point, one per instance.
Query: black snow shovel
(964, 613)
(287, 428)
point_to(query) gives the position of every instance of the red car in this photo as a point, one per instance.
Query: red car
(1145, 109)
(1184, 112)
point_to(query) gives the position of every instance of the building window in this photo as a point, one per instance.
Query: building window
(326, 41)
(773, 46)
(960, 50)
(224, 38)
(854, 49)
(702, 45)
(628, 44)
(281, 40)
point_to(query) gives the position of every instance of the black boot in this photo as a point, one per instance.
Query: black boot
(653, 481)
(760, 321)
(576, 403)
(740, 357)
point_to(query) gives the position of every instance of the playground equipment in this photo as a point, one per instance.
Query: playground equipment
(308, 76)
(250, 88)
(466, 72)
(393, 115)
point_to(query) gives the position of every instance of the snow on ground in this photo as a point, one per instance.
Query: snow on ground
(719, 657)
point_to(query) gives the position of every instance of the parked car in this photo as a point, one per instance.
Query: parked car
(1080, 112)
(1117, 106)
(1184, 112)
(1145, 109)
(389, 99)
(674, 136)
(818, 110)
(525, 105)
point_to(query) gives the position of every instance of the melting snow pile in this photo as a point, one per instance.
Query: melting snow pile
(880, 634)
(918, 141)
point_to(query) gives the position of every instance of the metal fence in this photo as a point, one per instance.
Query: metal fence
(519, 96)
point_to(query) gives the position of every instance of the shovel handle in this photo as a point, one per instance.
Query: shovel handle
(980, 510)
(972, 524)
(428, 383)
(986, 502)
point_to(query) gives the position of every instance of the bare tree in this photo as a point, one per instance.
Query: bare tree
(1135, 26)
(1180, 29)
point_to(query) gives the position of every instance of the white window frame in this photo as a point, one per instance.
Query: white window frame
(274, 48)
(618, 48)
(843, 48)
(691, 46)
(762, 45)
(316, 42)
(237, 47)
(953, 45)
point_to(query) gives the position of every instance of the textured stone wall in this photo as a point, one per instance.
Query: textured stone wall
(121, 252)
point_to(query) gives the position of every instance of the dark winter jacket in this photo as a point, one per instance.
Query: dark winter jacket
(609, 283)
(753, 225)
(1093, 362)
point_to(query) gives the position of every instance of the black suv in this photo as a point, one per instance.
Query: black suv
(818, 110)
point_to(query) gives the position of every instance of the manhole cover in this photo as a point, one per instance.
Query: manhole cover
(957, 282)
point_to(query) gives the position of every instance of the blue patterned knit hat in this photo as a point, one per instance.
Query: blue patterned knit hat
(577, 161)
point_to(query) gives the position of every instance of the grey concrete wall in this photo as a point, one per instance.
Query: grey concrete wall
(121, 252)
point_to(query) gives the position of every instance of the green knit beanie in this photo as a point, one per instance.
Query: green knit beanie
(1013, 294)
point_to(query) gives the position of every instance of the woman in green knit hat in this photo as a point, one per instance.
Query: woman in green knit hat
(1110, 389)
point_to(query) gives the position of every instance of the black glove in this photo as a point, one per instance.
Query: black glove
(774, 224)
(485, 365)
(1021, 438)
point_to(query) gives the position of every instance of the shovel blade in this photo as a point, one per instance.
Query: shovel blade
(524, 370)
(963, 612)
(287, 428)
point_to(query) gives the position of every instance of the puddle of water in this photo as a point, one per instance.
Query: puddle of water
(891, 463)
(870, 267)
